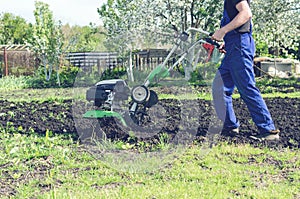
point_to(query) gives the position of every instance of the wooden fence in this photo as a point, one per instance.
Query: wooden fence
(100, 60)
(25, 62)
(16, 60)
(142, 60)
(150, 58)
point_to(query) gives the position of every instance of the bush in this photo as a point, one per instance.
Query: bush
(262, 49)
(204, 73)
(114, 73)
(67, 77)
(13, 82)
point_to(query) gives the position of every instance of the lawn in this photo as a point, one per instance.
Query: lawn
(35, 166)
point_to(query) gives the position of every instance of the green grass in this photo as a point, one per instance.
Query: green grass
(48, 94)
(274, 94)
(15, 89)
(207, 96)
(61, 94)
(8, 83)
(35, 166)
(187, 96)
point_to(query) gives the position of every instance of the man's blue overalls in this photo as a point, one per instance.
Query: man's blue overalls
(237, 70)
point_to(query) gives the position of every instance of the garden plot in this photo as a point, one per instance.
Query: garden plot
(57, 118)
(45, 166)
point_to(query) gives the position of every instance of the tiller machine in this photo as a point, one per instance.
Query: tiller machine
(108, 95)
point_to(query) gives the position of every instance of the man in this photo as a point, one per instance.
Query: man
(237, 70)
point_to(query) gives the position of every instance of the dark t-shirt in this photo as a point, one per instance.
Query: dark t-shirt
(230, 6)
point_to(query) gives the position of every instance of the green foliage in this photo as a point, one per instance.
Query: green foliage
(13, 83)
(276, 23)
(47, 40)
(67, 78)
(57, 95)
(33, 146)
(39, 81)
(122, 24)
(115, 73)
(146, 23)
(68, 75)
(204, 73)
(261, 48)
(279, 81)
(273, 85)
(14, 29)
(140, 76)
(82, 39)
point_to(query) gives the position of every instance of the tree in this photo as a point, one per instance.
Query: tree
(86, 38)
(154, 20)
(47, 39)
(277, 23)
(123, 29)
(133, 24)
(14, 29)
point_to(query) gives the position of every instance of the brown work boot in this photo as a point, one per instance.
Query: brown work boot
(268, 136)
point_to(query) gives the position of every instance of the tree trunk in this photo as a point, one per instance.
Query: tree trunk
(57, 74)
(129, 68)
(45, 63)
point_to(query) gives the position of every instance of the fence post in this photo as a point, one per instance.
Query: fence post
(5, 61)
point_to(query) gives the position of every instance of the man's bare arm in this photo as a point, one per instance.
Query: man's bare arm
(241, 18)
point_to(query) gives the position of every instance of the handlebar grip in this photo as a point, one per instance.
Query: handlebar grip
(209, 40)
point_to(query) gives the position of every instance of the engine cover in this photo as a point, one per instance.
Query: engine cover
(105, 91)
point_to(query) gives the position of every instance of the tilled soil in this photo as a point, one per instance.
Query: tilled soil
(58, 118)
